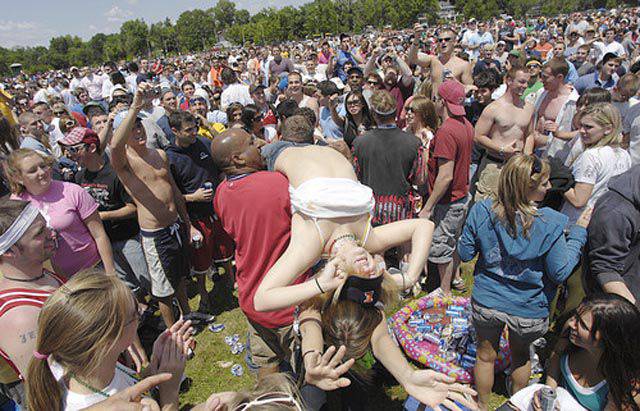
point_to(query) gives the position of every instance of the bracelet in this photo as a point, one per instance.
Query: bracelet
(318, 284)
(308, 352)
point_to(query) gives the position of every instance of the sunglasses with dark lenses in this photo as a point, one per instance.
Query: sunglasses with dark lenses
(353, 102)
(59, 113)
(445, 39)
(74, 149)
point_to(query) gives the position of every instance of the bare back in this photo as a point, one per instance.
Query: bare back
(301, 164)
(148, 181)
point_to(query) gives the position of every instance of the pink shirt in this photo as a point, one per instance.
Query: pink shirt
(65, 207)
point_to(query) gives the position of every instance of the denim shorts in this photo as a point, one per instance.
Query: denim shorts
(489, 322)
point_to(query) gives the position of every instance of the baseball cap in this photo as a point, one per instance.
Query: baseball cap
(90, 104)
(80, 135)
(121, 116)
(452, 92)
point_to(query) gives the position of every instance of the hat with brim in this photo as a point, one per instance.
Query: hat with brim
(123, 114)
(79, 135)
(453, 94)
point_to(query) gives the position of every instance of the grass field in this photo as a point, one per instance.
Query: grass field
(210, 370)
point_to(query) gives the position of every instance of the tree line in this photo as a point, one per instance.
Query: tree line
(197, 30)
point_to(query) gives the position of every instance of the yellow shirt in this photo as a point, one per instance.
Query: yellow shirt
(5, 109)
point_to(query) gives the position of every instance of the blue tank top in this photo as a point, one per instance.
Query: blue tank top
(593, 398)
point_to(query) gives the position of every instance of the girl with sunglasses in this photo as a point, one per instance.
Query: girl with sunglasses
(522, 257)
(357, 120)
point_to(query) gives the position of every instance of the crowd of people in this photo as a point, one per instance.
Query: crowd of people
(324, 179)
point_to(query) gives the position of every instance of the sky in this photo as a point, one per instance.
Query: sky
(34, 22)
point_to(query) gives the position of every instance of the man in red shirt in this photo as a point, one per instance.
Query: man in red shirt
(448, 179)
(255, 210)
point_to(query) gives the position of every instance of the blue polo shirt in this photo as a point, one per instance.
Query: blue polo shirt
(592, 80)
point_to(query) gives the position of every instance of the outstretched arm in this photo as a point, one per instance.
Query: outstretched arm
(427, 386)
(118, 142)
(304, 250)
(418, 231)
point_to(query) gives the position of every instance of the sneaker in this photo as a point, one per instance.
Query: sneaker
(199, 317)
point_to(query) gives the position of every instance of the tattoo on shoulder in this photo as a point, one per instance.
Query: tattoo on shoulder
(28, 336)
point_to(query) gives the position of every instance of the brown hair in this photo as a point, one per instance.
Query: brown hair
(13, 171)
(427, 111)
(629, 84)
(8, 136)
(9, 212)
(558, 65)
(383, 102)
(78, 326)
(297, 128)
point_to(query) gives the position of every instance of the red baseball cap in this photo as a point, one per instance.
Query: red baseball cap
(80, 135)
(452, 92)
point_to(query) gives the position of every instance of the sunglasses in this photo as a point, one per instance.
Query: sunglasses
(373, 83)
(444, 39)
(59, 113)
(74, 149)
(353, 102)
(533, 66)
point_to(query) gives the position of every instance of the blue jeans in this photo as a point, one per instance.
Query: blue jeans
(130, 264)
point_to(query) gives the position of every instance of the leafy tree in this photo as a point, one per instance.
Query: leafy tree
(134, 35)
(195, 30)
(224, 13)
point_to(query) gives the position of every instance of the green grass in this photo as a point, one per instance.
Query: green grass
(209, 376)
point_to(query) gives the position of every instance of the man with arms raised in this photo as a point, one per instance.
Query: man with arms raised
(503, 130)
(164, 223)
(460, 70)
(25, 244)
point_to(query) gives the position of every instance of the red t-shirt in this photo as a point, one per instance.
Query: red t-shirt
(255, 211)
(453, 141)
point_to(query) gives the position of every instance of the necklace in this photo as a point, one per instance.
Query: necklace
(23, 280)
(97, 391)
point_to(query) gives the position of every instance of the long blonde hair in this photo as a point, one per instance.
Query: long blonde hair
(78, 326)
(12, 168)
(518, 177)
(605, 115)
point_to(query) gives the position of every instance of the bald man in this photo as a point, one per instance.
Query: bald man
(255, 210)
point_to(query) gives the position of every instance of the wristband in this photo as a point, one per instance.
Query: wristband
(308, 352)
(318, 284)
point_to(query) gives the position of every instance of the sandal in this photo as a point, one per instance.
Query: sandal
(459, 285)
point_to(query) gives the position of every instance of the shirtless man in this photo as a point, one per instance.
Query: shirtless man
(294, 91)
(460, 70)
(504, 129)
(165, 238)
(426, 61)
(25, 244)
(554, 109)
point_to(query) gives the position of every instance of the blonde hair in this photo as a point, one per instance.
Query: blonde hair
(383, 102)
(278, 385)
(518, 177)
(78, 327)
(605, 115)
(12, 168)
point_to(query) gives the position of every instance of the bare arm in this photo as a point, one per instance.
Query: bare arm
(95, 227)
(467, 74)
(619, 288)
(106, 133)
(483, 128)
(579, 195)
(441, 185)
(274, 292)
(123, 213)
(335, 116)
(371, 63)
(407, 75)
(418, 231)
(119, 159)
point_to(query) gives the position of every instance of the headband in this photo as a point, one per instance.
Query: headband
(364, 291)
(18, 228)
(383, 113)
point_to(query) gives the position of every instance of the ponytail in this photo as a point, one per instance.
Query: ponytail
(43, 392)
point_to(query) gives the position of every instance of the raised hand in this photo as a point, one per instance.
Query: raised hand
(325, 371)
